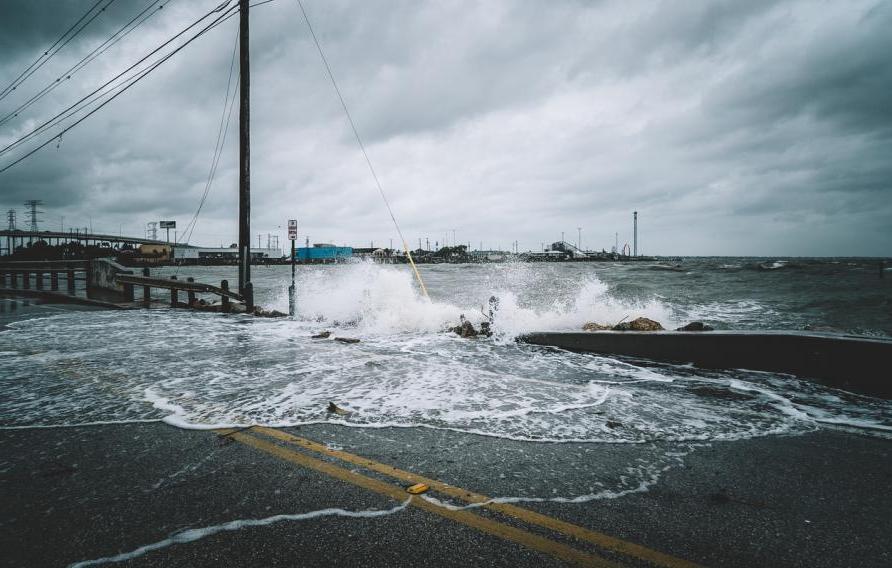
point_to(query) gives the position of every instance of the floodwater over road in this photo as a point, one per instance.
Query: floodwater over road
(200, 370)
(525, 424)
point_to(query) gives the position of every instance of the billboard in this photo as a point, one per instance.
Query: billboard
(292, 229)
(168, 224)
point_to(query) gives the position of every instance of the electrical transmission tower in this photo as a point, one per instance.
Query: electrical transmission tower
(10, 216)
(32, 205)
(152, 230)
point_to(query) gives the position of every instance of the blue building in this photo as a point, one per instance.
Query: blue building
(323, 252)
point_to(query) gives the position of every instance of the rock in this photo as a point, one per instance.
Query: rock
(485, 329)
(640, 324)
(346, 340)
(260, 312)
(594, 326)
(466, 329)
(613, 424)
(322, 335)
(695, 326)
(335, 409)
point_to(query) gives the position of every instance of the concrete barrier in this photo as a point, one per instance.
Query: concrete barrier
(102, 283)
(856, 364)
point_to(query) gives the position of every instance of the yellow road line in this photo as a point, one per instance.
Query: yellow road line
(519, 536)
(600, 539)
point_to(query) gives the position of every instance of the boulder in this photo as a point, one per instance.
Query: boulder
(466, 329)
(594, 326)
(321, 335)
(639, 324)
(695, 326)
(346, 340)
(260, 312)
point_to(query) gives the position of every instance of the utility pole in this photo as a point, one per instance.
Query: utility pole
(292, 236)
(246, 289)
(32, 205)
(10, 216)
(579, 238)
(635, 236)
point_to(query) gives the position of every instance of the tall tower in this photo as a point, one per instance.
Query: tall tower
(152, 230)
(635, 234)
(10, 216)
(32, 205)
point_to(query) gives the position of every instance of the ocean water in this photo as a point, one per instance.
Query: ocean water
(201, 370)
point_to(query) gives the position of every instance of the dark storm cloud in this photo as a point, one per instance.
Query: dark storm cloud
(756, 127)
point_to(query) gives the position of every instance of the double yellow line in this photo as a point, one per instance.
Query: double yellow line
(268, 444)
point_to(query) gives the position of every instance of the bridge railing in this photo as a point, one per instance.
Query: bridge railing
(22, 274)
(190, 286)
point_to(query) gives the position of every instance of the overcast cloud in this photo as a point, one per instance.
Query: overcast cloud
(734, 128)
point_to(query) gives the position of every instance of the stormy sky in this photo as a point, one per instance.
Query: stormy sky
(733, 128)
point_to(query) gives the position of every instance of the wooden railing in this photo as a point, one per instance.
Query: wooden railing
(19, 274)
(175, 285)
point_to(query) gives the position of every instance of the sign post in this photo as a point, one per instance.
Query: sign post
(168, 225)
(292, 236)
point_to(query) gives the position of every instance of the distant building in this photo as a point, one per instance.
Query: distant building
(490, 255)
(183, 253)
(323, 252)
(161, 252)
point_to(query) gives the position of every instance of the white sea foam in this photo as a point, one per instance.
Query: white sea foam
(191, 535)
(199, 370)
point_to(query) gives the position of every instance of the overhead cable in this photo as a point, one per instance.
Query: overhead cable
(60, 43)
(122, 32)
(97, 93)
(221, 141)
(362, 147)
(129, 82)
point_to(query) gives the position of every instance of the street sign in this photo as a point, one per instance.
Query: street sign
(168, 224)
(292, 229)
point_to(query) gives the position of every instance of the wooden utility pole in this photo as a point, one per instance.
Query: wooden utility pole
(245, 287)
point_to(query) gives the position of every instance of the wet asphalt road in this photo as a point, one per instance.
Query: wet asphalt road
(74, 494)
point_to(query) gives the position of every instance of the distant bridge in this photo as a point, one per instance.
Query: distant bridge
(17, 238)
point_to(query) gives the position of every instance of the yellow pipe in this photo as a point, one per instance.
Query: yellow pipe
(415, 268)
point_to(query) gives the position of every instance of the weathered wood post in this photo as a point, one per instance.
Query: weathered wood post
(225, 299)
(69, 281)
(54, 281)
(173, 294)
(190, 294)
(39, 277)
(128, 292)
(2, 279)
(13, 279)
(146, 290)
(26, 280)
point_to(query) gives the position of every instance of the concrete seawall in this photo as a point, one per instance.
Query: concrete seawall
(856, 364)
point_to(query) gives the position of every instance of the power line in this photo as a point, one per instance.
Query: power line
(34, 212)
(81, 104)
(133, 80)
(221, 141)
(53, 49)
(361, 145)
(99, 50)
